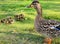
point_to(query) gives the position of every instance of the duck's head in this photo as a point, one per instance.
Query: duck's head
(34, 4)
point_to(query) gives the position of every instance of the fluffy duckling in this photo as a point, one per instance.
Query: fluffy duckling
(19, 17)
(3, 20)
(9, 20)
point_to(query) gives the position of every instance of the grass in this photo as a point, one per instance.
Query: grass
(23, 32)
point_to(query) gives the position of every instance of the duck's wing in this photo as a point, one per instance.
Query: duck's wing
(46, 24)
(50, 28)
(56, 27)
(54, 24)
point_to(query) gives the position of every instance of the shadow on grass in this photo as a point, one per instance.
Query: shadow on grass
(20, 38)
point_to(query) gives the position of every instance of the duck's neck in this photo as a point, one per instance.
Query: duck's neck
(39, 11)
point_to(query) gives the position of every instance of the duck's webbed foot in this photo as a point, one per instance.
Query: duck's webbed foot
(48, 41)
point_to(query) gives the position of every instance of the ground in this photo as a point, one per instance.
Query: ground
(23, 32)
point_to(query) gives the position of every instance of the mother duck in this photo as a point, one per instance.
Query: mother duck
(49, 28)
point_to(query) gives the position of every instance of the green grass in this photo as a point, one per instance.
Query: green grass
(24, 32)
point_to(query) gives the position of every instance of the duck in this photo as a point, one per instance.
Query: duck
(49, 28)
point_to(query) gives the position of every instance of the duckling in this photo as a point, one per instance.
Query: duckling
(19, 17)
(12, 21)
(49, 28)
(9, 20)
(3, 20)
(6, 22)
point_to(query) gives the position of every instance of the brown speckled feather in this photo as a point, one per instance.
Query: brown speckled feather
(43, 27)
